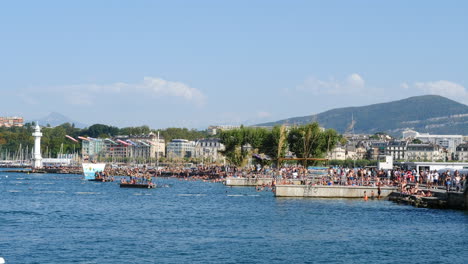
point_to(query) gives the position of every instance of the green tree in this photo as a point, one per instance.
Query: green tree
(275, 143)
(309, 141)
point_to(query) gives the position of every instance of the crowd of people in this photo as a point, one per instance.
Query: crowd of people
(409, 181)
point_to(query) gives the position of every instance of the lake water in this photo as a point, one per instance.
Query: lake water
(52, 218)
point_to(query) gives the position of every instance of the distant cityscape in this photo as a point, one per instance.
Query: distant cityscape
(412, 146)
(12, 121)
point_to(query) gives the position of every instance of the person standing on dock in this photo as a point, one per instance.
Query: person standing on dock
(379, 190)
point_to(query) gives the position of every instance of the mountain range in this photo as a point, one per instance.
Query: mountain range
(56, 119)
(428, 113)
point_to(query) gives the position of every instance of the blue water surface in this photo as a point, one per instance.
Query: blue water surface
(53, 218)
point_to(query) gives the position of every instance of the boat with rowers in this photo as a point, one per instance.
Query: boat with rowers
(135, 182)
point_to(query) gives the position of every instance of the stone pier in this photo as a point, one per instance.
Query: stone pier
(231, 181)
(333, 191)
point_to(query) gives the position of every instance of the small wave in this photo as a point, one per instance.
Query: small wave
(84, 193)
(20, 212)
(191, 194)
(51, 192)
(14, 191)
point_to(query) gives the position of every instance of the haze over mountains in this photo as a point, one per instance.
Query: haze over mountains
(56, 119)
(429, 113)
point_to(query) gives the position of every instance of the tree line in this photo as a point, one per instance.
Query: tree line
(305, 141)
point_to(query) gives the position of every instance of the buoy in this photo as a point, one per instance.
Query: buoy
(2, 260)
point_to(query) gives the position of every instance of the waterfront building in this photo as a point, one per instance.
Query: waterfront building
(461, 152)
(180, 148)
(343, 152)
(337, 153)
(209, 149)
(355, 152)
(92, 148)
(135, 146)
(13, 121)
(150, 145)
(124, 146)
(117, 148)
(424, 152)
(397, 149)
(377, 150)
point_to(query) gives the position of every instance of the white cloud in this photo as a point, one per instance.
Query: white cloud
(162, 87)
(352, 84)
(88, 94)
(448, 89)
(355, 80)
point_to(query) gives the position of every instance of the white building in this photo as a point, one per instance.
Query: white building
(424, 152)
(337, 153)
(449, 142)
(462, 152)
(407, 134)
(180, 148)
(209, 149)
(346, 152)
(397, 149)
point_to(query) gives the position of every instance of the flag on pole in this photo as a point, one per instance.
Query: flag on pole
(71, 138)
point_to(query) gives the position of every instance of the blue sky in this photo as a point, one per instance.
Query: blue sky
(199, 63)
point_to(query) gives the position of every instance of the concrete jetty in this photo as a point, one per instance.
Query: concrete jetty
(232, 181)
(332, 191)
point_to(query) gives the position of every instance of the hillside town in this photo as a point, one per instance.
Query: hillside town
(412, 146)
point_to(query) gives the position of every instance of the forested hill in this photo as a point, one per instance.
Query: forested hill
(429, 113)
